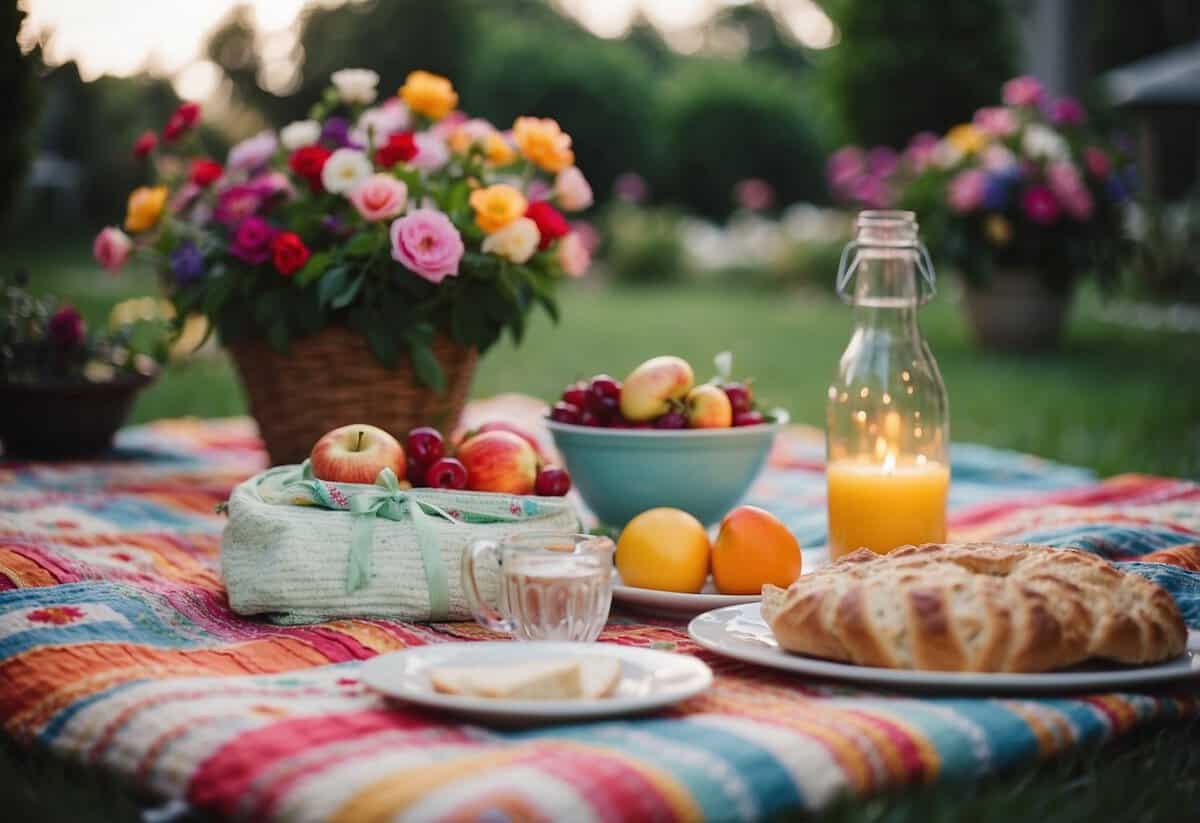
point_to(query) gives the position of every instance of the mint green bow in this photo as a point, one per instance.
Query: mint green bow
(392, 502)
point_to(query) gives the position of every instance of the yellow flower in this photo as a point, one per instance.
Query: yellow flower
(998, 230)
(543, 143)
(498, 150)
(429, 94)
(516, 242)
(497, 206)
(145, 206)
(966, 138)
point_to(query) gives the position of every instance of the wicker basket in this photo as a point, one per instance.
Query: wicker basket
(332, 379)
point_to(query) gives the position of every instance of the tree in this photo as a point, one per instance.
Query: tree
(917, 65)
(19, 105)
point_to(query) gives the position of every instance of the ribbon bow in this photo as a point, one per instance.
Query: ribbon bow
(393, 503)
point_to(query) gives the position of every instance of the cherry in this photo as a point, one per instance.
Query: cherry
(415, 471)
(425, 445)
(576, 394)
(739, 397)
(552, 482)
(671, 420)
(588, 418)
(564, 412)
(603, 396)
(447, 473)
(748, 418)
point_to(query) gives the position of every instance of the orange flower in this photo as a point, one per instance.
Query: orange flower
(543, 143)
(498, 150)
(145, 207)
(497, 206)
(429, 94)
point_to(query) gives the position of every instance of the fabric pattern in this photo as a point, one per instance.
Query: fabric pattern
(118, 649)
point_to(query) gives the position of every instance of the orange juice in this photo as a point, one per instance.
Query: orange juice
(884, 506)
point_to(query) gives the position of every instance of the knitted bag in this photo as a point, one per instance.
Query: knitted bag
(301, 550)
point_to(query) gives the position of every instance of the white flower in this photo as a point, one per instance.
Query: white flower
(381, 122)
(356, 86)
(516, 242)
(344, 170)
(432, 152)
(946, 154)
(572, 189)
(301, 133)
(1040, 142)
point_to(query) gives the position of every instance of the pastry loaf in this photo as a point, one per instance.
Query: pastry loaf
(978, 607)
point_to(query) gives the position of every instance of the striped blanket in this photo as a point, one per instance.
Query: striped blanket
(117, 649)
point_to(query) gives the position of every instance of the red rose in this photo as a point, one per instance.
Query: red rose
(289, 253)
(550, 222)
(205, 172)
(400, 148)
(183, 119)
(308, 163)
(144, 144)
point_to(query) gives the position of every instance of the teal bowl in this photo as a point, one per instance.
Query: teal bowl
(621, 473)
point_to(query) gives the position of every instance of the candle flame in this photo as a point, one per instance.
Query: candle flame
(889, 463)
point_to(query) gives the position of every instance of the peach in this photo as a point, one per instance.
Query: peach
(754, 548)
(649, 389)
(708, 407)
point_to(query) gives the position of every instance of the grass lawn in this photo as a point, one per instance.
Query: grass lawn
(1112, 399)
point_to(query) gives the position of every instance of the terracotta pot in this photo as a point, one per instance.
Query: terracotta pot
(1015, 311)
(333, 379)
(65, 418)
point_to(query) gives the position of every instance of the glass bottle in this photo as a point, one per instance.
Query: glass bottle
(887, 417)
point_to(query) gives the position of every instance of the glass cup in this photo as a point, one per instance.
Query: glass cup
(552, 585)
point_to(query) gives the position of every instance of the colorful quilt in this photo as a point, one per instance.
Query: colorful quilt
(117, 649)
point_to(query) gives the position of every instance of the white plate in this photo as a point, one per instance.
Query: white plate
(650, 679)
(676, 604)
(740, 632)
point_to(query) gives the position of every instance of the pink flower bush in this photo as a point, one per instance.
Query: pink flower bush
(426, 243)
(380, 197)
(996, 121)
(1022, 91)
(111, 248)
(965, 190)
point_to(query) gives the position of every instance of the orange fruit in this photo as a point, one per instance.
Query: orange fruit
(664, 549)
(753, 548)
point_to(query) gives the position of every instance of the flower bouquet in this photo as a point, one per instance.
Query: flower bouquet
(1025, 198)
(357, 262)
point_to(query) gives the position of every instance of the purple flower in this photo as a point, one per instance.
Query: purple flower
(995, 192)
(1067, 111)
(631, 187)
(252, 240)
(336, 133)
(336, 226)
(187, 263)
(882, 161)
(871, 192)
(253, 153)
(237, 203)
(66, 328)
(920, 150)
(272, 184)
(844, 167)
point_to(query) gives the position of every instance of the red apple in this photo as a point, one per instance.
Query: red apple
(708, 408)
(499, 461)
(505, 426)
(649, 389)
(356, 454)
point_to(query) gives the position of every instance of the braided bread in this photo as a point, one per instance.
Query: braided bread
(979, 607)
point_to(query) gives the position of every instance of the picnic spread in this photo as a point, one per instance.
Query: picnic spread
(119, 650)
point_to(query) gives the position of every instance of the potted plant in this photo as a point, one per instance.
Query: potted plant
(1024, 201)
(357, 263)
(64, 390)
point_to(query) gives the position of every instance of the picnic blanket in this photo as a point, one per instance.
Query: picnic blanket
(118, 649)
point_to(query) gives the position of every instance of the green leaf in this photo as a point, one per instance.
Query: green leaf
(365, 243)
(269, 307)
(428, 369)
(382, 342)
(550, 305)
(347, 295)
(314, 268)
(332, 284)
(277, 335)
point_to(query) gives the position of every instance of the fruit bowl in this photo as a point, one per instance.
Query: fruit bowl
(620, 473)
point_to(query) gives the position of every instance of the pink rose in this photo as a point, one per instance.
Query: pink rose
(1022, 91)
(996, 121)
(572, 189)
(965, 191)
(844, 167)
(1097, 162)
(379, 197)
(111, 248)
(426, 243)
(573, 255)
(1078, 203)
(1063, 177)
(921, 147)
(432, 152)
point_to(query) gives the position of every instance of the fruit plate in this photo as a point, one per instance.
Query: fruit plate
(676, 604)
(650, 679)
(740, 632)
